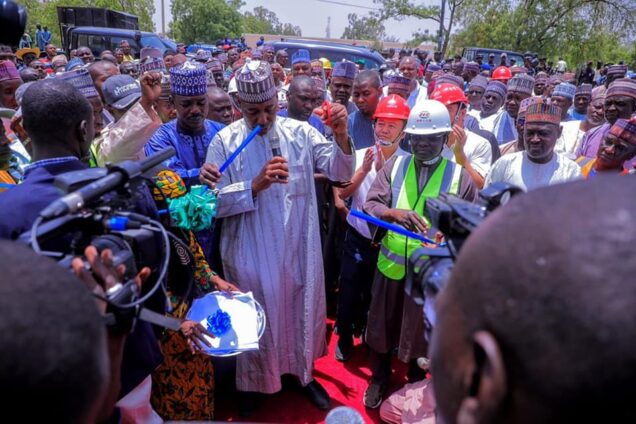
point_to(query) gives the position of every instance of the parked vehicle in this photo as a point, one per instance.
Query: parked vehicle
(333, 51)
(103, 29)
(470, 54)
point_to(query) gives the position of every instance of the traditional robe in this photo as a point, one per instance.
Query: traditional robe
(271, 245)
(517, 169)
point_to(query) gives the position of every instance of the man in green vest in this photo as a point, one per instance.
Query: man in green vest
(398, 195)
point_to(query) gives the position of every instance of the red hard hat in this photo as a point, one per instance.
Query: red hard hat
(393, 107)
(502, 73)
(448, 94)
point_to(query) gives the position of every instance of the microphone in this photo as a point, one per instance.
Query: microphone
(344, 415)
(274, 142)
(118, 174)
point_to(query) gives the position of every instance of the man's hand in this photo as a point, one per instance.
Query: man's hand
(274, 171)
(379, 158)
(458, 139)
(150, 88)
(335, 115)
(408, 219)
(209, 175)
(367, 162)
(104, 274)
(194, 332)
(224, 286)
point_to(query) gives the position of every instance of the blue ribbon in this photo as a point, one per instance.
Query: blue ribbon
(390, 227)
(240, 148)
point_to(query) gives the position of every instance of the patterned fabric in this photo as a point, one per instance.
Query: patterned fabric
(622, 87)
(522, 83)
(472, 67)
(617, 70)
(543, 112)
(188, 80)
(479, 81)
(166, 91)
(81, 79)
(8, 71)
(624, 130)
(345, 69)
(301, 56)
(255, 82)
(497, 87)
(398, 81)
(598, 93)
(214, 66)
(584, 90)
(450, 79)
(565, 89)
(152, 64)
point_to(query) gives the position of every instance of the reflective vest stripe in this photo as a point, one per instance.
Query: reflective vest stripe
(396, 249)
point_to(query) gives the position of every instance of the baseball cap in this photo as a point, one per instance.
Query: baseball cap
(120, 91)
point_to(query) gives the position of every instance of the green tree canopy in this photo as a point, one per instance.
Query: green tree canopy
(204, 20)
(363, 28)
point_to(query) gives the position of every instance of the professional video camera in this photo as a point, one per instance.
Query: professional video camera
(429, 268)
(13, 19)
(99, 210)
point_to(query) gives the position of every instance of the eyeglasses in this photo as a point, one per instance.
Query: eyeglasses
(475, 92)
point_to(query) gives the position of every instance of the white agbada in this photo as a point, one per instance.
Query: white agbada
(570, 139)
(517, 169)
(477, 150)
(270, 245)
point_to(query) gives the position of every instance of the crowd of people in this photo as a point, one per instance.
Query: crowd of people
(523, 333)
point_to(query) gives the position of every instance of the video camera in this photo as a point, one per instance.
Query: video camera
(99, 210)
(430, 268)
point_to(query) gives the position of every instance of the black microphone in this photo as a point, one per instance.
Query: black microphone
(118, 174)
(274, 141)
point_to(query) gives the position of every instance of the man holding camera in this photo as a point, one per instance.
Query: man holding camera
(398, 195)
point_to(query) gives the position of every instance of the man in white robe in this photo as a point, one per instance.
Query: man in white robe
(538, 165)
(270, 241)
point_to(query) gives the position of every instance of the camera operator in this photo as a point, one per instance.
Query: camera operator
(62, 365)
(59, 122)
(398, 195)
(542, 332)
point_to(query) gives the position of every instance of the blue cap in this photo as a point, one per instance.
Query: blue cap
(345, 69)
(189, 79)
(120, 91)
(301, 55)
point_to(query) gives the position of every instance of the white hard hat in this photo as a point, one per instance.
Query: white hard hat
(428, 117)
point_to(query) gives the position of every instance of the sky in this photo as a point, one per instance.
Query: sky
(311, 16)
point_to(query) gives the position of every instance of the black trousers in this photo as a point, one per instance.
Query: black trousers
(359, 261)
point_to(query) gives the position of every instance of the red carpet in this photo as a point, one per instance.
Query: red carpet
(345, 383)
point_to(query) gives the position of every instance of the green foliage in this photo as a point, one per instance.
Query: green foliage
(263, 21)
(46, 13)
(204, 20)
(363, 28)
(576, 30)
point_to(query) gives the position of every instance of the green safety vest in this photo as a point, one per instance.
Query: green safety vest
(396, 249)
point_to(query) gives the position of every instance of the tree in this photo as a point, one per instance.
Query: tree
(363, 28)
(263, 21)
(204, 20)
(446, 17)
(578, 30)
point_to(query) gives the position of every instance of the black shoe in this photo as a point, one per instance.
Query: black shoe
(343, 349)
(248, 403)
(317, 395)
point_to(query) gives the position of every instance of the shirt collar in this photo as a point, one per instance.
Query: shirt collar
(51, 161)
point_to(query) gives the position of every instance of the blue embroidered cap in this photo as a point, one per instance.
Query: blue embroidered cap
(189, 79)
(81, 79)
(301, 55)
(345, 69)
(74, 63)
(566, 90)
